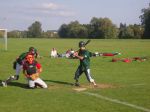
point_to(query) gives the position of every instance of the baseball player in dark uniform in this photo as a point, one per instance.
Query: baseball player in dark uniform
(84, 56)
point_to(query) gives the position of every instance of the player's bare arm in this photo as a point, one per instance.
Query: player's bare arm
(79, 57)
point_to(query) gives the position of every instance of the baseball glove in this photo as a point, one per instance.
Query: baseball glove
(34, 76)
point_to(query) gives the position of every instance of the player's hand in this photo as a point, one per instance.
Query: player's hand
(75, 54)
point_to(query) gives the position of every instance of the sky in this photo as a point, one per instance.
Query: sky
(20, 14)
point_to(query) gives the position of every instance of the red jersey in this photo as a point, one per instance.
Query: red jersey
(31, 68)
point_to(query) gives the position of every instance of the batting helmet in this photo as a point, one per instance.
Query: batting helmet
(81, 44)
(31, 48)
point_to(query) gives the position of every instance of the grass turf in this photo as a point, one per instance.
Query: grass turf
(131, 80)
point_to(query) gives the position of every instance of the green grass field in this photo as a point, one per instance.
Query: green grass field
(123, 87)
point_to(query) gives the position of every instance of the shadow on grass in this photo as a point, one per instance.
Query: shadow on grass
(60, 82)
(25, 86)
(17, 84)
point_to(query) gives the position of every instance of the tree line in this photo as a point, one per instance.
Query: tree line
(100, 28)
(97, 28)
(34, 31)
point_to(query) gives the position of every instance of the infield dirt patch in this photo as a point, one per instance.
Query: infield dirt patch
(99, 86)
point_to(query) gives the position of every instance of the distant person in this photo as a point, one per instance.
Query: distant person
(69, 53)
(54, 53)
(18, 65)
(32, 70)
(110, 54)
(106, 54)
(84, 56)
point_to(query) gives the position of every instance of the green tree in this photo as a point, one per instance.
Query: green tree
(82, 32)
(35, 30)
(138, 31)
(98, 28)
(15, 34)
(63, 31)
(24, 34)
(132, 31)
(76, 30)
(1, 34)
(145, 19)
(50, 34)
(73, 30)
(102, 28)
(129, 33)
(122, 30)
(125, 32)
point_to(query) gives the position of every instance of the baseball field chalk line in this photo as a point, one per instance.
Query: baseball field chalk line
(117, 101)
(138, 84)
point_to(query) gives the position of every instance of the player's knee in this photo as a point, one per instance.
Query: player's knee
(45, 86)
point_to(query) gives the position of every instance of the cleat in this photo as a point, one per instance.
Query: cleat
(4, 84)
(77, 84)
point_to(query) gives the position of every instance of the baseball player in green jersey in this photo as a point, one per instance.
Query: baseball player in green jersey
(18, 65)
(84, 56)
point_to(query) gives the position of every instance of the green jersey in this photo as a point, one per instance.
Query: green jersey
(85, 63)
(22, 57)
